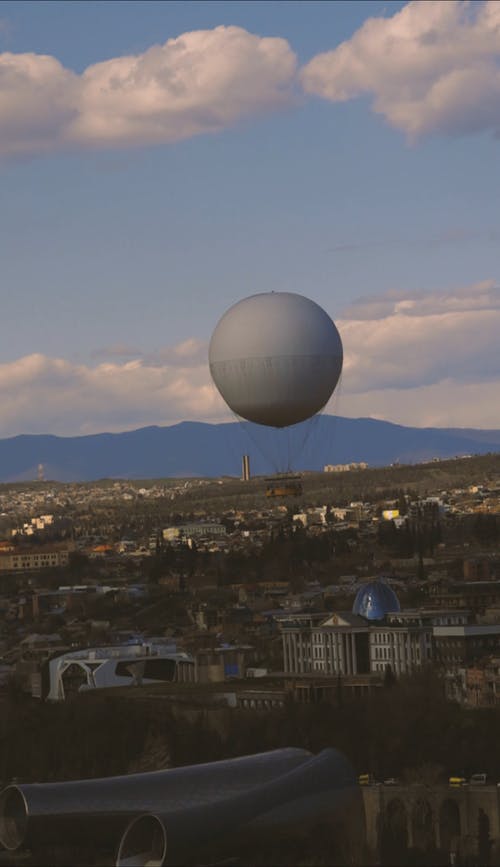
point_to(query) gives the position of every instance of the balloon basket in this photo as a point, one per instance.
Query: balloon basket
(283, 486)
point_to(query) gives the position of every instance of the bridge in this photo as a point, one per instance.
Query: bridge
(444, 824)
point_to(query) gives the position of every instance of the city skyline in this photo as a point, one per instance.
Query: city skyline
(161, 161)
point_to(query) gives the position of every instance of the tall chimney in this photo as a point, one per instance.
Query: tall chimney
(245, 468)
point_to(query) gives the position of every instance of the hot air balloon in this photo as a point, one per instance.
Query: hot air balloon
(276, 358)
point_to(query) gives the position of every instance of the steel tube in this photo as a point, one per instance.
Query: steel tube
(70, 812)
(321, 787)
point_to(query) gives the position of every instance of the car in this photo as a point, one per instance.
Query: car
(367, 780)
(392, 781)
(478, 779)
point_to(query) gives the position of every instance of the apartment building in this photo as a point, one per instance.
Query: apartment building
(22, 560)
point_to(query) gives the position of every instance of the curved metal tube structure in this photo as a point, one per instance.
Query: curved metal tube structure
(144, 843)
(320, 788)
(99, 809)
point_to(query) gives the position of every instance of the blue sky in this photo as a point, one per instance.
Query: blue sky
(357, 175)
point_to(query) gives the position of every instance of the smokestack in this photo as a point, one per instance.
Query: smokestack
(245, 468)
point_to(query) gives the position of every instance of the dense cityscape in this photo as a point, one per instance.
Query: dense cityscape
(206, 603)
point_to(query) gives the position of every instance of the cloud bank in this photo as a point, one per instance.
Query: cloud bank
(424, 358)
(413, 339)
(54, 395)
(433, 67)
(202, 81)
(418, 358)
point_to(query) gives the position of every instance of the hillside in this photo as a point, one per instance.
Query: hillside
(211, 450)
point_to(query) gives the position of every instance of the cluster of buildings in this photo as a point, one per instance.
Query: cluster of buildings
(378, 637)
(296, 631)
(344, 468)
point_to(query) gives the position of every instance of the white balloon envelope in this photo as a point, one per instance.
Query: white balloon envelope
(276, 358)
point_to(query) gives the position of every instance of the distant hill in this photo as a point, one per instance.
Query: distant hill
(198, 449)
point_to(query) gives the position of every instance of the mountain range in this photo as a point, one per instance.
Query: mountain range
(200, 449)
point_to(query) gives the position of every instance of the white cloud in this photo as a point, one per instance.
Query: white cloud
(484, 295)
(424, 358)
(409, 340)
(53, 395)
(431, 67)
(188, 353)
(37, 103)
(202, 81)
(443, 404)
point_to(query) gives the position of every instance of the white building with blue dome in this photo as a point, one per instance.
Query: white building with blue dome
(374, 637)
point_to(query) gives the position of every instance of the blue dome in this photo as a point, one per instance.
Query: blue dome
(374, 600)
